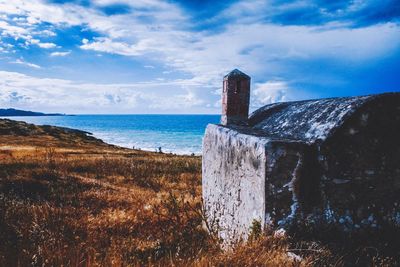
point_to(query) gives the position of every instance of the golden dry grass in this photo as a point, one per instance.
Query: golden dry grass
(89, 204)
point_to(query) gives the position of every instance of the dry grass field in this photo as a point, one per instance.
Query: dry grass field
(69, 200)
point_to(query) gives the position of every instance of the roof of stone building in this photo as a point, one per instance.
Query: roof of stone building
(308, 120)
(237, 74)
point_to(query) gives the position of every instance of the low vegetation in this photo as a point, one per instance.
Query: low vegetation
(70, 201)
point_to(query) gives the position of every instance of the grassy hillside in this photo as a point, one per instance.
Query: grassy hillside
(72, 200)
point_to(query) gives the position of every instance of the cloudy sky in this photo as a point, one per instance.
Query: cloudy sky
(154, 56)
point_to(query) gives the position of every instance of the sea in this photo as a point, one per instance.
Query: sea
(178, 134)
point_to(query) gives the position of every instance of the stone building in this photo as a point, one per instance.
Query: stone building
(324, 161)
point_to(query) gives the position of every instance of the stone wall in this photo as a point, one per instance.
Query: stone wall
(248, 178)
(233, 181)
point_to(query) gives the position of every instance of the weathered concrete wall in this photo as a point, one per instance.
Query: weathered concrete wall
(233, 181)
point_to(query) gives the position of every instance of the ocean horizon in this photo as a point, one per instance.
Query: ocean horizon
(173, 133)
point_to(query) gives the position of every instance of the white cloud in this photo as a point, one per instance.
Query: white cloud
(246, 11)
(47, 33)
(270, 92)
(13, 97)
(276, 90)
(161, 31)
(21, 31)
(15, 32)
(207, 55)
(22, 62)
(60, 54)
(47, 45)
(109, 46)
(176, 102)
(68, 96)
(42, 45)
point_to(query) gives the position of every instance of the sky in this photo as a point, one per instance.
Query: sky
(164, 57)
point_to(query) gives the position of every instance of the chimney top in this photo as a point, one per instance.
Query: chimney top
(237, 73)
(235, 98)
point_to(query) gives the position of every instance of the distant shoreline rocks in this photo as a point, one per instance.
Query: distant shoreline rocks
(11, 112)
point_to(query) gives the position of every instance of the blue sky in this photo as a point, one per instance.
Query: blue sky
(153, 56)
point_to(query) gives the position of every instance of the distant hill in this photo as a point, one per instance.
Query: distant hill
(44, 135)
(16, 112)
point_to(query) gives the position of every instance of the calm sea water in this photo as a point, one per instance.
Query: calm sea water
(181, 134)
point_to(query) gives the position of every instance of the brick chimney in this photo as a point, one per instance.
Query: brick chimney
(235, 98)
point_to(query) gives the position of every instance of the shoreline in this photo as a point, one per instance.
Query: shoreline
(98, 137)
